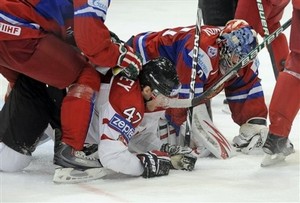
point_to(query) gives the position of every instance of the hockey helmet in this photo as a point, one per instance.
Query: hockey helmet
(236, 40)
(160, 74)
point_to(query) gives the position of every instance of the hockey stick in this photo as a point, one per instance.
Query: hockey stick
(266, 33)
(189, 119)
(214, 89)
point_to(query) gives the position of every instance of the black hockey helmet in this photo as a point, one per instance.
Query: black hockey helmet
(160, 74)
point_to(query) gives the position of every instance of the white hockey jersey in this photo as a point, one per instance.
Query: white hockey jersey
(121, 127)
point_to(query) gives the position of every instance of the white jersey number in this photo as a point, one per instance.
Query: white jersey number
(131, 113)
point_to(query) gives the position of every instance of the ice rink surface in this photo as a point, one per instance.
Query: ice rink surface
(239, 179)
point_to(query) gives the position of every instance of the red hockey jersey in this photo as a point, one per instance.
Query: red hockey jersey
(244, 92)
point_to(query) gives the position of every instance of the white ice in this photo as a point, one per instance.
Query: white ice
(239, 179)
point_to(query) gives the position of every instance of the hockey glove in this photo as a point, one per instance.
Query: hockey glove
(114, 38)
(184, 162)
(181, 157)
(129, 62)
(175, 150)
(156, 163)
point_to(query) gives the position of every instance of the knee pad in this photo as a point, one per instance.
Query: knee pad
(81, 91)
(89, 77)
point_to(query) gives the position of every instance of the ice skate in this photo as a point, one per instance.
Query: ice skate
(76, 166)
(277, 149)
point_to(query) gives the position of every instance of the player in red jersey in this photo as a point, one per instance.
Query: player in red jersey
(273, 11)
(218, 12)
(285, 102)
(53, 42)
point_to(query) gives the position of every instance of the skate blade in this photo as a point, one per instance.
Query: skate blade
(270, 160)
(71, 175)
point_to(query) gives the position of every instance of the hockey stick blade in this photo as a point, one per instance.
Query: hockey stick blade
(71, 175)
(214, 89)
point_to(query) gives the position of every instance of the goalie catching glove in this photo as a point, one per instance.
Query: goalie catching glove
(155, 163)
(181, 157)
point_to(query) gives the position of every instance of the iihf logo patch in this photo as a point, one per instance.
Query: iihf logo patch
(212, 51)
(10, 29)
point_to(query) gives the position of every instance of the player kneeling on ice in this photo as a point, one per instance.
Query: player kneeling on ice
(122, 125)
(220, 50)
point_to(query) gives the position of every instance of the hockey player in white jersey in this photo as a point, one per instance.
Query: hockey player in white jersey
(124, 125)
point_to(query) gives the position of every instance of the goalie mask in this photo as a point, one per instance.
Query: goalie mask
(160, 74)
(236, 40)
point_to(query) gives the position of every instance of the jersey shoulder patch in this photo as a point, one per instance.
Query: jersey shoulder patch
(99, 4)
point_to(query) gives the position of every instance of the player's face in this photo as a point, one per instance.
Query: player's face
(228, 60)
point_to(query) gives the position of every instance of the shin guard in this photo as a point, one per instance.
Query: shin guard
(77, 108)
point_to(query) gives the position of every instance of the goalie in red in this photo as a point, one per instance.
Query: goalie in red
(220, 49)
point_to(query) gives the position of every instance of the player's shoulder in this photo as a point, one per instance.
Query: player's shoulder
(126, 97)
(210, 31)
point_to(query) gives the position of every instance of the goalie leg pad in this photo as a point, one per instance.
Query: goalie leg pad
(206, 133)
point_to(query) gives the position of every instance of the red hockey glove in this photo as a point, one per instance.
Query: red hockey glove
(156, 163)
(129, 62)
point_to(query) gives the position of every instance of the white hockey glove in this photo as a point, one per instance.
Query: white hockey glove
(252, 135)
(175, 150)
(181, 157)
(156, 163)
(130, 63)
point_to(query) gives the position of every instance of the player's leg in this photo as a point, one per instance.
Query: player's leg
(23, 119)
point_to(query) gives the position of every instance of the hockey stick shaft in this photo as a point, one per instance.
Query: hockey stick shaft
(266, 33)
(214, 89)
(189, 120)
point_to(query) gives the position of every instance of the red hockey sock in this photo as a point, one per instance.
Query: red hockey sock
(285, 104)
(77, 108)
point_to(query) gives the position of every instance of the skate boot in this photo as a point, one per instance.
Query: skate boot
(76, 166)
(65, 156)
(278, 145)
(277, 148)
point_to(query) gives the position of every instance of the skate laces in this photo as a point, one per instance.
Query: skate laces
(81, 154)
